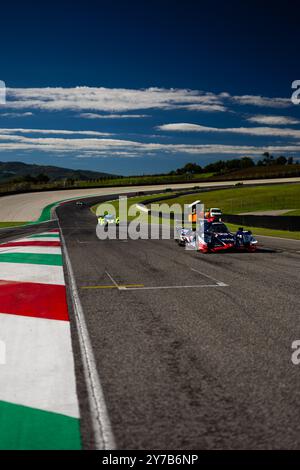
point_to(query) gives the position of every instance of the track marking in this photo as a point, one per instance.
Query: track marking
(219, 283)
(43, 250)
(103, 434)
(126, 286)
(113, 281)
(174, 287)
(33, 273)
(40, 370)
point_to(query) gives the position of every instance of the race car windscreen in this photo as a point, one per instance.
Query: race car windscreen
(218, 228)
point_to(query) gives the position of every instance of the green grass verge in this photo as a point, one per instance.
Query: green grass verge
(105, 182)
(247, 199)
(46, 212)
(294, 213)
(238, 200)
(268, 232)
(230, 197)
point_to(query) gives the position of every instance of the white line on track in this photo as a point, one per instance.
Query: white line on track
(219, 283)
(114, 282)
(103, 434)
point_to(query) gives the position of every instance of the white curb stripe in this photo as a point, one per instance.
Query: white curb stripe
(39, 369)
(38, 239)
(31, 273)
(43, 250)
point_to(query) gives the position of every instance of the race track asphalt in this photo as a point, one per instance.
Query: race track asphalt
(201, 367)
(190, 367)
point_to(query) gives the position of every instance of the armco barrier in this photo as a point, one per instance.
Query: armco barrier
(265, 221)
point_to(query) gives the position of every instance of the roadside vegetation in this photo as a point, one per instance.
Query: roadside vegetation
(248, 199)
(235, 201)
(268, 232)
(295, 213)
(223, 170)
(25, 185)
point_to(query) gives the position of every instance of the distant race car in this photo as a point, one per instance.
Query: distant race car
(108, 219)
(80, 203)
(217, 237)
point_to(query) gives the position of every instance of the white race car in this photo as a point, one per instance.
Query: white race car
(108, 219)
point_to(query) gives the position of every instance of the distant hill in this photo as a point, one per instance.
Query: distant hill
(13, 170)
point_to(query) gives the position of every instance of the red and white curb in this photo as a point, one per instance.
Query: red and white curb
(38, 399)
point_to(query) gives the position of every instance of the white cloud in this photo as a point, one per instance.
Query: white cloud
(106, 99)
(112, 116)
(182, 127)
(273, 120)
(52, 131)
(103, 147)
(16, 115)
(256, 100)
(2, 92)
(119, 100)
(199, 107)
(254, 131)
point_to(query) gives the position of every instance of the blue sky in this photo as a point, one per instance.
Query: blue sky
(145, 87)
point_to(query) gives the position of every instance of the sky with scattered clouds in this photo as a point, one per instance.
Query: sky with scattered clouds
(147, 87)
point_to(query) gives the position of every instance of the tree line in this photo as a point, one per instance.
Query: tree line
(224, 166)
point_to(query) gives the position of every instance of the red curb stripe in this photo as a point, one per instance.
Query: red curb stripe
(30, 243)
(34, 300)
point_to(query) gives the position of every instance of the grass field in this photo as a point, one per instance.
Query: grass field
(296, 213)
(268, 232)
(105, 182)
(256, 172)
(248, 199)
(238, 200)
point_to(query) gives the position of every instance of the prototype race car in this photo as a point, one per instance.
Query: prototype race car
(216, 237)
(108, 219)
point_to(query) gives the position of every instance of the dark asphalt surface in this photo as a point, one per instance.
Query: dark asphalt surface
(189, 368)
(200, 367)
